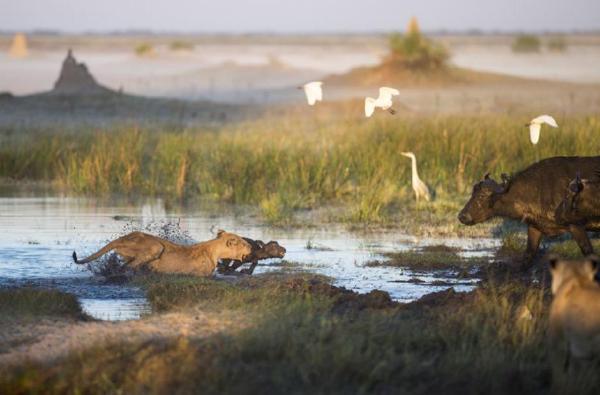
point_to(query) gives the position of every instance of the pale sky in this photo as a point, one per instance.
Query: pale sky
(306, 16)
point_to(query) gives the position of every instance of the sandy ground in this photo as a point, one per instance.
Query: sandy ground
(45, 339)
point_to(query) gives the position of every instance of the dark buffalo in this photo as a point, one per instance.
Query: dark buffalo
(260, 251)
(532, 196)
(581, 203)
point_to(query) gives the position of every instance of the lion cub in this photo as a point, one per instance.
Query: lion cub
(575, 309)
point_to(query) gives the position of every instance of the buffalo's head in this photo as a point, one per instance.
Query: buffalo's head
(272, 249)
(480, 207)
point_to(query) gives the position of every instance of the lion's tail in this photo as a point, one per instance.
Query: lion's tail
(96, 255)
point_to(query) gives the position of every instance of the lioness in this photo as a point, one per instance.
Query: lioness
(575, 310)
(141, 249)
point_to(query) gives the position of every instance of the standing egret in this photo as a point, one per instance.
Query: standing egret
(313, 92)
(420, 188)
(384, 101)
(536, 124)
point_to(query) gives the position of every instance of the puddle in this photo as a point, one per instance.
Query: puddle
(40, 234)
(115, 309)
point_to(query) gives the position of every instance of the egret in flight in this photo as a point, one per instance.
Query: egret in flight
(420, 188)
(384, 101)
(536, 124)
(313, 92)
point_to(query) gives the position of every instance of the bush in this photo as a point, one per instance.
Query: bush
(526, 43)
(179, 45)
(416, 51)
(144, 49)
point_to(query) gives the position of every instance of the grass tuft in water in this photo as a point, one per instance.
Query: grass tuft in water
(31, 302)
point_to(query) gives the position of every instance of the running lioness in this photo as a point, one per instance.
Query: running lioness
(575, 310)
(143, 250)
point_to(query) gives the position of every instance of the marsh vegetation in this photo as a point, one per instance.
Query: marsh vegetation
(286, 165)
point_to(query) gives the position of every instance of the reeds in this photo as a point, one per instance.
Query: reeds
(289, 163)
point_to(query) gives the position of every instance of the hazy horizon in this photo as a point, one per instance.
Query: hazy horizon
(307, 17)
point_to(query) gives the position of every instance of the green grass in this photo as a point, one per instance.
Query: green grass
(299, 343)
(180, 45)
(569, 249)
(430, 259)
(32, 302)
(282, 166)
(513, 244)
(167, 293)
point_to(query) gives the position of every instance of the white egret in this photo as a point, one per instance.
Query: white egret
(420, 188)
(384, 101)
(536, 124)
(313, 92)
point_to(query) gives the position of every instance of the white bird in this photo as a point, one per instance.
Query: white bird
(536, 124)
(384, 101)
(313, 92)
(420, 188)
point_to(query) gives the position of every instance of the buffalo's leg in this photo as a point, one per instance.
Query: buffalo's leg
(534, 237)
(582, 239)
(223, 266)
(250, 270)
(235, 265)
(229, 265)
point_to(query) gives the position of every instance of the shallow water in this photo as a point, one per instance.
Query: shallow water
(40, 234)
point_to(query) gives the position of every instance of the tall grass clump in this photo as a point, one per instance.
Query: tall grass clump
(34, 302)
(416, 51)
(180, 45)
(525, 43)
(144, 49)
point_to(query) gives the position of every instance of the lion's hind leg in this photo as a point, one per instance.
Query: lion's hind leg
(138, 255)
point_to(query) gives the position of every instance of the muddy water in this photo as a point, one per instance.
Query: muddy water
(40, 234)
